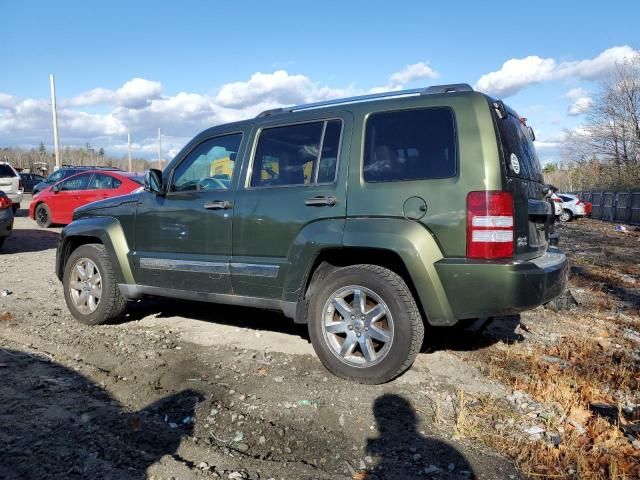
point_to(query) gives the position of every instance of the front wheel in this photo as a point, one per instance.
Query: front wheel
(91, 287)
(364, 324)
(566, 216)
(43, 216)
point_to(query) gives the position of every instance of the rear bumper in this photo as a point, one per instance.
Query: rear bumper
(15, 197)
(486, 289)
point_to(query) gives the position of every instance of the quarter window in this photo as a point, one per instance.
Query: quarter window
(209, 166)
(302, 154)
(410, 145)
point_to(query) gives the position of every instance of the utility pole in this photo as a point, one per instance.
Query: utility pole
(159, 150)
(55, 121)
(129, 150)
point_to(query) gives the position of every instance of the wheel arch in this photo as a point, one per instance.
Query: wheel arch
(103, 230)
(402, 246)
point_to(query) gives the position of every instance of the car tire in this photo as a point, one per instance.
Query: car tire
(15, 207)
(110, 305)
(42, 215)
(566, 216)
(392, 341)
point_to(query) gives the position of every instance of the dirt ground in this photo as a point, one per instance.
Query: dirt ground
(186, 390)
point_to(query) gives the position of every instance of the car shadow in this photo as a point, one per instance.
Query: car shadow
(30, 240)
(473, 334)
(477, 335)
(57, 423)
(401, 451)
(231, 315)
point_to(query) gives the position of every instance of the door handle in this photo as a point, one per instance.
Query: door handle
(218, 205)
(321, 201)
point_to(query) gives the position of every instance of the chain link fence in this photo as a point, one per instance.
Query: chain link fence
(623, 207)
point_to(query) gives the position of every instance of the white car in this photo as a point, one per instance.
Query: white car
(557, 205)
(572, 207)
(11, 184)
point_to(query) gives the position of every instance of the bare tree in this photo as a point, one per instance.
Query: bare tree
(607, 148)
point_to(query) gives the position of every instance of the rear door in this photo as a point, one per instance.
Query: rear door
(297, 177)
(533, 212)
(102, 186)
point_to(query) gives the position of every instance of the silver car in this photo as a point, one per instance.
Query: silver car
(572, 207)
(6, 218)
(11, 184)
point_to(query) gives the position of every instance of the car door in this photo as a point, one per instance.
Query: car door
(183, 238)
(102, 186)
(295, 179)
(67, 196)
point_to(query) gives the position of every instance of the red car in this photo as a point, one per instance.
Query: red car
(57, 203)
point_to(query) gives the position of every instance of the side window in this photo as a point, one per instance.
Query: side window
(79, 182)
(301, 154)
(209, 166)
(410, 145)
(100, 181)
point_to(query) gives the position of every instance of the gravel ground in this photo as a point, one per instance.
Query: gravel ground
(188, 390)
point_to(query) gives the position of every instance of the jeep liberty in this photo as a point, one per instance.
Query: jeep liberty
(365, 218)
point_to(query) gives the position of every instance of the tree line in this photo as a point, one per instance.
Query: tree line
(42, 161)
(604, 153)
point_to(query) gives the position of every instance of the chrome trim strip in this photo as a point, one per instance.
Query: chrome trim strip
(184, 265)
(254, 269)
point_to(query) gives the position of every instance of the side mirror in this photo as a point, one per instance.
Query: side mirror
(55, 188)
(531, 134)
(153, 181)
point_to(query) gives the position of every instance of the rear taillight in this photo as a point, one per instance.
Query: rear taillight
(557, 200)
(5, 202)
(489, 225)
(579, 203)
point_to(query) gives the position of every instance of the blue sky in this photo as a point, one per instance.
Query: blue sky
(196, 62)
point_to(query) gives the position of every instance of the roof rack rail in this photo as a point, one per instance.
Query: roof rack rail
(435, 89)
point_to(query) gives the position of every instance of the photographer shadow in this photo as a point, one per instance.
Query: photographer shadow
(57, 423)
(404, 453)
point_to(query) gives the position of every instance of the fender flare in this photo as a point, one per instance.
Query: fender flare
(418, 250)
(110, 233)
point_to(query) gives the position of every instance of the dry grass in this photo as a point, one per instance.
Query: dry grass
(568, 378)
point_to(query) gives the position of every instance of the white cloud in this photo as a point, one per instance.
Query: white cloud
(411, 73)
(580, 101)
(136, 93)
(580, 106)
(518, 73)
(7, 101)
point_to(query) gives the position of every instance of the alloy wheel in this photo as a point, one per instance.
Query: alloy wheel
(85, 285)
(357, 326)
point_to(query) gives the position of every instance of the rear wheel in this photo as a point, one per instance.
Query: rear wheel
(566, 216)
(43, 215)
(364, 324)
(91, 287)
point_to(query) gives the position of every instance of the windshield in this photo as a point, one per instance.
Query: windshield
(55, 176)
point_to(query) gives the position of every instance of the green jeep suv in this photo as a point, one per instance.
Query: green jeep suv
(364, 218)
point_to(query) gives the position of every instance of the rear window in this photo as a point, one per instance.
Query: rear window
(516, 141)
(410, 145)
(6, 171)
